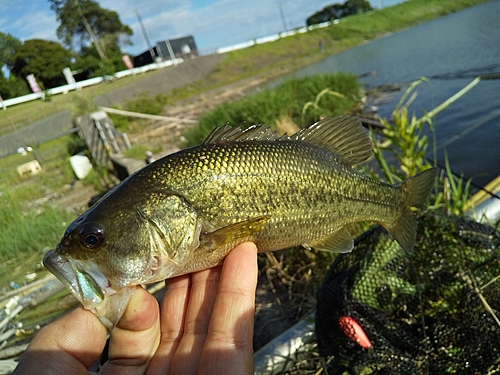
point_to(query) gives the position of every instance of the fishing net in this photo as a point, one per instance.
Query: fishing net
(381, 311)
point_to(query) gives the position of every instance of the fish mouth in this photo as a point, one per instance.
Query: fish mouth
(90, 286)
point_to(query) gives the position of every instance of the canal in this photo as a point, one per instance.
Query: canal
(450, 52)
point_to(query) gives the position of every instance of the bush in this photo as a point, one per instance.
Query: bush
(288, 99)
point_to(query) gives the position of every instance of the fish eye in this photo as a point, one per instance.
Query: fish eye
(91, 236)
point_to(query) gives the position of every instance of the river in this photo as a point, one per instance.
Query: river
(450, 51)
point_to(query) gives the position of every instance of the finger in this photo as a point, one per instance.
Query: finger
(172, 316)
(203, 291)
(135, 338)
(228, 348)
(69, 345)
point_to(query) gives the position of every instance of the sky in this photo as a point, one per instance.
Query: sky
(213, 23)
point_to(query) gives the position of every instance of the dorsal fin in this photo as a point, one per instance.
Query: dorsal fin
(227, 133)
(342, 135)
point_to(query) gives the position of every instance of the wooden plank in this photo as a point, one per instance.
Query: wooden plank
(145, 115)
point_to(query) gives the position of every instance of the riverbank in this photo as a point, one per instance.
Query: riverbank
(267, 60)
(284, 55)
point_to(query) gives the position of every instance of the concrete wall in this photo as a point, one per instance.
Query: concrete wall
(32, 134)
(163, 81)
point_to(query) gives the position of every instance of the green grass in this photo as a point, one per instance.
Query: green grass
(29, 222)
(138, 151)
(293, 52)
(28, 229)
(152, 105)
(287, 100)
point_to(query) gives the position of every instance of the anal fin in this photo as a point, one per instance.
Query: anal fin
(404, 230)
(340, 242)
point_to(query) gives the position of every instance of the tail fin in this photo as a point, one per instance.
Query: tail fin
(415, 191)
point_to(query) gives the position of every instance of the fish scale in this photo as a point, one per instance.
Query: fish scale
(283, 182)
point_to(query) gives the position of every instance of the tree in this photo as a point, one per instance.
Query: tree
(328, 13)
(13, 87)
(86, 22)
(10, 87)
(88, 64)
(45, 59)
(8, 46)
(336, 11)
(357, 6)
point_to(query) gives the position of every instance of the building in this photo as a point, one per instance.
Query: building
(145, 58)
(164, 50)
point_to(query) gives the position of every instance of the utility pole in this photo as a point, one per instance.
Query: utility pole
(100, 51)
(283, 21)
(148, 43)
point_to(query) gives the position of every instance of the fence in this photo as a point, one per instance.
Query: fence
(14, 120)
(32, 134)
(272, 38)
(89, 82)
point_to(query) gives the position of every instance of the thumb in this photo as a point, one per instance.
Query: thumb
(136, 337)
(69, 345)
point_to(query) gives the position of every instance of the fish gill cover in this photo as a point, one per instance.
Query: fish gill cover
(383, 311)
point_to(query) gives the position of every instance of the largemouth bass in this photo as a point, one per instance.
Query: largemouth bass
(186, 211)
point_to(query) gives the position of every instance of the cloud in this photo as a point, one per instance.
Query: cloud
(213, 24)
(26, 20)
(39, 25)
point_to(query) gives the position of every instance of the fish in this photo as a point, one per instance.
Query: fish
(186, 211)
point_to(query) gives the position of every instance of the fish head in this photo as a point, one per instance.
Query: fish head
(101, 262)
(112, 248)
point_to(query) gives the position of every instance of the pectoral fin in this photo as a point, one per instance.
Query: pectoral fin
(234, 233)
(339, 242)
(214, 246)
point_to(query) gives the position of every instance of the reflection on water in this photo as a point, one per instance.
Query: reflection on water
(450, 52)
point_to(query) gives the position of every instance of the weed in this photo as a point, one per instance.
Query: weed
(315, 106)
(147, 104)
(406, 143)
(404, 140)
(455, 193)
(144, 103)
(82, 105)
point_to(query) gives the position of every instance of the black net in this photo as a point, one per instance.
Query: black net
(436, 311)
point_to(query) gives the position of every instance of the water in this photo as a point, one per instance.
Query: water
(451, 51)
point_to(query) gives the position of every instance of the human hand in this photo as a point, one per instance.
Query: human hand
(204, 325)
